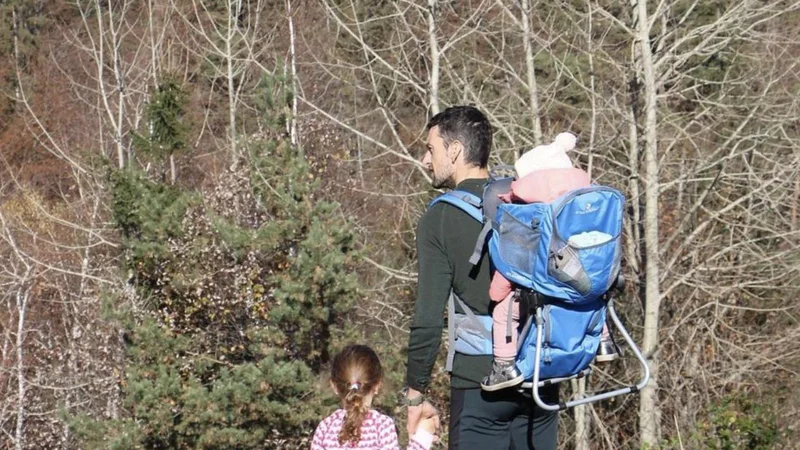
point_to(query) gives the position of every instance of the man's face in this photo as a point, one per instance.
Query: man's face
(438, 161)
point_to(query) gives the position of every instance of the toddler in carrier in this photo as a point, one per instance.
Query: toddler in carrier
(543, 174)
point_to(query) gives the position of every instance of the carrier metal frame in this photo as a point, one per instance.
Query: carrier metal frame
(536, 383)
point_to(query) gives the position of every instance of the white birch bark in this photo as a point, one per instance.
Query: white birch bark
(533, 94)
(295, 138)
(649, 408)
(435, 58)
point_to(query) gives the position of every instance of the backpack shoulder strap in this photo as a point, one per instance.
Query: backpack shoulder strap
(493, 188)
(463, 200)
(472, 205)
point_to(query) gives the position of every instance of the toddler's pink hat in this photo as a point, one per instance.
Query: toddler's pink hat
(551, 156)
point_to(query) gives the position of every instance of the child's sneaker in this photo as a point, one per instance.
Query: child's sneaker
(503, 375)
(607, 351)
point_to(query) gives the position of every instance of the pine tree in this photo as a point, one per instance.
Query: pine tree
(165, 134)
(244, 295)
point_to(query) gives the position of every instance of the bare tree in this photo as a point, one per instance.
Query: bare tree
(435, 59)
(295, 139)
(533, 96)
(117, 82)
(649, 410)
(21, 271)
(232, 40)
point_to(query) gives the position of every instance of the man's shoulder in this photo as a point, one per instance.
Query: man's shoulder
(441, 217)
(433, 215)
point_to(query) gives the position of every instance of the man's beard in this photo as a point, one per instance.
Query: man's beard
(447, 182)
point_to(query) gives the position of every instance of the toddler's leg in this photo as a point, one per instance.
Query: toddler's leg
(504, 346)
(607, 351)
(504, 372)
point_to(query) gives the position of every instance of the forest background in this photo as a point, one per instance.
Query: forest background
(202, 200)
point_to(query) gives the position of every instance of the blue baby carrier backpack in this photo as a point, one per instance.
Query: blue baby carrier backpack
(564, 258)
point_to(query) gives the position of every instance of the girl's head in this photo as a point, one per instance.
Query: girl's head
(550, 156)
(356, 376)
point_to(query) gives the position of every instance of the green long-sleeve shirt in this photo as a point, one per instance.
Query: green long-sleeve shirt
(445, 240)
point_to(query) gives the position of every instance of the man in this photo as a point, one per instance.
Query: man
(458, 145)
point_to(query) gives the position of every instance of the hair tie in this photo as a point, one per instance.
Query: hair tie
(355, 386)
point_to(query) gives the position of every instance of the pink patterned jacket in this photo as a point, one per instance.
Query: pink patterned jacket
(377, 433)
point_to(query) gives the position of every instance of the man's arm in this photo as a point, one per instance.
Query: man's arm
(435, 277)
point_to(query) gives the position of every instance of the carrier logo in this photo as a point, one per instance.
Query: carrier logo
(588, 208)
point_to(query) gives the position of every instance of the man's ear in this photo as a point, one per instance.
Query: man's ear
(455, 150)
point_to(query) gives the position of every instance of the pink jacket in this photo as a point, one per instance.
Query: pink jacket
(540, 186)
(377, 433)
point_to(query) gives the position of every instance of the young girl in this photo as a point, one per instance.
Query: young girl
(356, 377)
(543, 174)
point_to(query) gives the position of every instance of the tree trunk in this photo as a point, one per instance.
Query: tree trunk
(22, 307)
(119, 78)
(649, 410)
(633, 246)
(533, 94)
(795, 200)
(229, 56)
(581, 417)
(592, 93)
(293, 120)
(435, 58)
(173, 175)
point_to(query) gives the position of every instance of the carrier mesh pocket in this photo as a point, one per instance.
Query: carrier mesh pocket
(518, 243)
(565, 266)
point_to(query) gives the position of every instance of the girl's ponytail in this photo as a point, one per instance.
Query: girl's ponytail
(356, 412)
(356, 373)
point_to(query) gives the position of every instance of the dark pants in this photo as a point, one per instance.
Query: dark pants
(501, 420)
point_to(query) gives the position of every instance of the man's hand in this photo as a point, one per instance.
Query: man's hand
(417, 413)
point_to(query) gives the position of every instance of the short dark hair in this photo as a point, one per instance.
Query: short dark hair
(469, 126)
